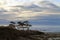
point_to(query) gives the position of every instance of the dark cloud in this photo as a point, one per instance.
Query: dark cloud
(47, 20)
(3, 10)
(4, 22)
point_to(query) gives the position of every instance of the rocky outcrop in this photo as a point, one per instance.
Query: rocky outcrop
(13, 34)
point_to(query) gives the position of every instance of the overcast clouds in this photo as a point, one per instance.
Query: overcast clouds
(25, 11)
(19, 2)
(39, 13)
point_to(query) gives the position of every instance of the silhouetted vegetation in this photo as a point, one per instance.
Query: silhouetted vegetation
(21, 24)
(7, 33)
(11, 33)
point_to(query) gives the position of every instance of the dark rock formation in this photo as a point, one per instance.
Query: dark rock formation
(13, 34)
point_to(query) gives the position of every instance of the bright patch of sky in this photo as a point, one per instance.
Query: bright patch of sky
(21, 2)
(57, 2)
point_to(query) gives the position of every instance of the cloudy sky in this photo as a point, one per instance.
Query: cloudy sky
(43, 14)
(22, 2)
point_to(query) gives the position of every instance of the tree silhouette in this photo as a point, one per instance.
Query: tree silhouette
(24, 24)
(21, 24)
(12, 24)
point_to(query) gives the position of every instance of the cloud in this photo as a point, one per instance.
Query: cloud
(27, 12)
(47, 20)
(45, 15)
(4, 22)
(37, 8)
(8, 15)
(24, 2)
(44, 6)
(19, 12)
(47, 23)
(2, 10)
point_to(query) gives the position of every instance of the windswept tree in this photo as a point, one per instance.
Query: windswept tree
(12, 25)
(21, 24)
(24, 24)
(12, 22)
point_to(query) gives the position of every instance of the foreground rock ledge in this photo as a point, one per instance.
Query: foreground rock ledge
(13, 34)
